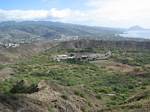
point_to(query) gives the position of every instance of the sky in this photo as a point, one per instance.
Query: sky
(110, 13)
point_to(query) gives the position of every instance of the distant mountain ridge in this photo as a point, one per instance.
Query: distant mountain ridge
(137, 32)
(27, 31)
(136, 27)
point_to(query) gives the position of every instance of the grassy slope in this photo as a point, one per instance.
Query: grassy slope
(115, 91)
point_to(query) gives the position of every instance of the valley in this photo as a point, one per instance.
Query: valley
(34, 82)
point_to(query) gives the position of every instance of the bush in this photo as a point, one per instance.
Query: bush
(137, 69)
(39, 74)
(78, 93)
(64, 96)
(1, 66)
(98, 96)
(105, 90)
(21, 87)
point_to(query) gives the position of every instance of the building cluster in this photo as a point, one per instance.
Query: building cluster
(9, 45)
(83, 56)
(67, 38)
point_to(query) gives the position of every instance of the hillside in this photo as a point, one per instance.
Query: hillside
(23, 51)
(91, 44)
(37, 83)
(28, 31)
(12, 54)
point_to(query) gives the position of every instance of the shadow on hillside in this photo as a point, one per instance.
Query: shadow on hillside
(19, 103)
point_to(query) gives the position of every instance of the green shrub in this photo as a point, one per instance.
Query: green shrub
(21, 87)
(79, 93)
(102, 89)
(1, 66)
(99, 96)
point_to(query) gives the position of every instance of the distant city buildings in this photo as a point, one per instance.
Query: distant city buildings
(9, 45)
(67, 38)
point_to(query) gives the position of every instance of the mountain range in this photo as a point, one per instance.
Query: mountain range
(35, 30)
(136, 27)
(29, 31)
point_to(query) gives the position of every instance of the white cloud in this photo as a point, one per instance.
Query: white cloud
(64, 15)
(22, 14)
(118, 13)
(121, 12)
